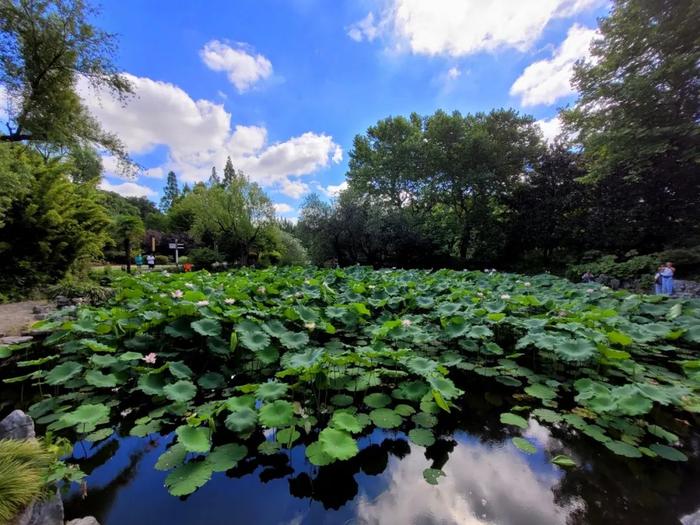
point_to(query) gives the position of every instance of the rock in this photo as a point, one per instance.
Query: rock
(15, 339)
(89, 520)
(46, 512)
(17, 425)
(62, 301)
(686, 288)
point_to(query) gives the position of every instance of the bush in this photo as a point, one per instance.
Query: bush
(204, 258)
(72, 288)
(162, 260)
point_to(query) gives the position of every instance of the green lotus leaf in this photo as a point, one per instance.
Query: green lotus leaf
(623, 449)
(347, 422)
(268, 448)
(377, 400)
(421, 365)
(145, 429)
(100, 380)
(341, 400)
(103, 361)
(411, 390)
(180, 329)
(432, 475)
(274, 327)
(508, 418)
(254, 340)
(187, 478)
(480, 332)
(385, 418)
(225, 457)
(447, 309)
(524, 445)
(151, 384)
(404, 410)
(181, 391)
(96, 346)
(304, 359)
(180, 370)
(100, 435)
(239, 402)
(207, 327)
(88, 415)
(211, 381)
(630, 401)
(540, 391)
(563, 461)
(338, 444)
(241, 420)
(194, 439)
(424, 419)
(662, 433)
(422, 437)
(294, 340)
(271, 390)
(63, 373)
(130, 356)
(267, 355)
(669, 453)
(457, 328)
(445, 386)
(575, 350)
(619, 338)
(287, 436)
(172, 457)
(277, 414)
(317, 456)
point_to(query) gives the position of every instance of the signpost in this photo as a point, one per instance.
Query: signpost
(176, 246)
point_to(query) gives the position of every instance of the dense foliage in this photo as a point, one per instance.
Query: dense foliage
(322, 357)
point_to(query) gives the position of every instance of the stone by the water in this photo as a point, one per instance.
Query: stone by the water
(17, 425)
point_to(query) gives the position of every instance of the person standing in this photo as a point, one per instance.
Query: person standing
(667, 278)
(587, 277)
(151, 260)
(658, 280)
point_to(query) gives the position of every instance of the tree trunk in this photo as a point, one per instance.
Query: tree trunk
(127, 252)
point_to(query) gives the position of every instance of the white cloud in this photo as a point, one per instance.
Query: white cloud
(334, 190)
(199, 135)
(154, 173)
(546, 81)
(243, 68)
(453, 73)
(281, 208)
(127, 189)
(464, 27)
(551, 128)
(364, 29)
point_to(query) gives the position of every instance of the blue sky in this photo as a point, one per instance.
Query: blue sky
(283, 86)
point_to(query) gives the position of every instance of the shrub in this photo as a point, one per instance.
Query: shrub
(204, 257)
(72, 288)
(162, 260)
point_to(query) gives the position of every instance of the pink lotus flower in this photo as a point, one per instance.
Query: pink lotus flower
(177, 294)
(150, 358)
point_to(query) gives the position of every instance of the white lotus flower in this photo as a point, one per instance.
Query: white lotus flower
(310, 326)
(505, 296)
(261, 290)
(406, 323)
(527, 284)
(589, 290)
(203, 303)
(177, 294)
(189, 285)
(229, 301)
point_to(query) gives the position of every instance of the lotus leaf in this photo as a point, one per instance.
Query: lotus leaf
(225, 457)
(508, 418)
(180, 392)
(524, 445)
(385, 418)
(432, 475)
(277, 414)
(338, 444)
(422, 437)
(242, 420)
(194, 439)
(187, 478)
(377, 400)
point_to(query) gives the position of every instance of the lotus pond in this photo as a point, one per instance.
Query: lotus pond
(359, 396)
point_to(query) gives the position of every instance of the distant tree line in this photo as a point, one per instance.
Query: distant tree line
(484, 189)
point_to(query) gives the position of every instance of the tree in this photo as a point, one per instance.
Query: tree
(128, 230)
(214, 178)
(229, 172)
(46, 48)
(49, 225)
(638, 115)
(171, 192)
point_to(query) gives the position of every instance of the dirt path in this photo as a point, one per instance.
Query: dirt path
(16, 317)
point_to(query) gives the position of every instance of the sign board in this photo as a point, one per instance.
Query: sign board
(172, 245)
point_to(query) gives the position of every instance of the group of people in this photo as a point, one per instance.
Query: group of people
(663, 279)
(150, 260)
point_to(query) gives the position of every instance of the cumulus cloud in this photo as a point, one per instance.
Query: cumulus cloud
(127, 189)
(546, 81)
(281, 208)
(464, 27)
(551, 128)
(453, 73)
(364, 29)
(333, 190)
(242, 66)
(198, 134)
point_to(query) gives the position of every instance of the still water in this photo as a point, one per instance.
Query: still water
(488, 481)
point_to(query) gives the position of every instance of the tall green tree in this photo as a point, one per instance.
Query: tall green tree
(128, 230)
(638, 115)
(171, 192)
(214, 179)
(46, 47)
(49, 225)
(229, 172)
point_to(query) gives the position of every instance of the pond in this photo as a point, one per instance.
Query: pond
(487, 481)
(302, 395)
